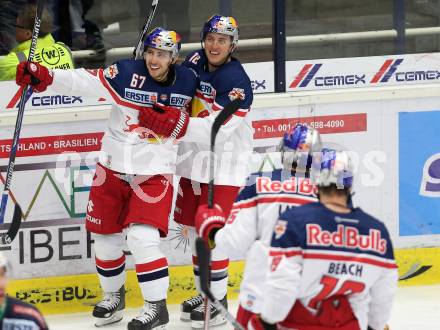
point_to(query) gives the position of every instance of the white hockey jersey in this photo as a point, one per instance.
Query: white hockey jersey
(127, 147)
(233, 147)
(249, 228)
(318, 254)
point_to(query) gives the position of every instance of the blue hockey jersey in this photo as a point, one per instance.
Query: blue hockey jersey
(234, 142)
(318, 254)
(21, 315)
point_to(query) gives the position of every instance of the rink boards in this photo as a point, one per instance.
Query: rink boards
(392, 131)
(77, 293)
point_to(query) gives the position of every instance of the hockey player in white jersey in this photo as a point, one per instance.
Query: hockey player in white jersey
(249, 228)
(332, 266)
(132, 188)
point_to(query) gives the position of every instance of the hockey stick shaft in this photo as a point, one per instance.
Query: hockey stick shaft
(15, 224)
(227, 111)
(204, 256)
(139, 49)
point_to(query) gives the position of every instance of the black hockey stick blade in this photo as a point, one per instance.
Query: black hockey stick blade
(139, 49)
(227, 111)
(204, 256)
(8, 237)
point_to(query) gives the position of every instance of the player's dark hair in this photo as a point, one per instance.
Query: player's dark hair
(333, 190)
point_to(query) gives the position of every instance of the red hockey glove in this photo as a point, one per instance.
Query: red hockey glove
(256, 323)
(208, 221)
(164, 120)
(34, 74)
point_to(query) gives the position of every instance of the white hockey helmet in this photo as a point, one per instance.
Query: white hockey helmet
(333, 167)
(297, 147)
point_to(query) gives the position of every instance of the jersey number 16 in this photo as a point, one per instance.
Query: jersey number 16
(329, 283)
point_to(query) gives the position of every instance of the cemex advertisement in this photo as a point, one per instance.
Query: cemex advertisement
(359, 72)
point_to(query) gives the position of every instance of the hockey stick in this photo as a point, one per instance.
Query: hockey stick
(139, 49)
(9, 236)
(227, 111)
(204, 256)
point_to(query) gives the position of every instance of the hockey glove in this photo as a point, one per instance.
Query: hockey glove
(34, 74)
(257, 323)
(164, 120)
(208, 221)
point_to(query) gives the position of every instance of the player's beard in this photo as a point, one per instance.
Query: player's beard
(159, 75)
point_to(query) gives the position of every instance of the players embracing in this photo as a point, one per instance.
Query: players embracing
(222, 79)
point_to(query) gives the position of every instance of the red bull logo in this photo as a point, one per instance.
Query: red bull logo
(142, 132)
(236, 93)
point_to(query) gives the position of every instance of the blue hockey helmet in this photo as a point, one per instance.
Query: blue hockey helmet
(223, 25)
(159, 38)
(335, 167)
(297, 147)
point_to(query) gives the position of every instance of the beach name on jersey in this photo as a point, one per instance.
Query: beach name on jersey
(346, 237)
(292, 185)
(177, 100)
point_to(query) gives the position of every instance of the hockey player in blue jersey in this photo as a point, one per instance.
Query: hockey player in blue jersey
(248, 230)
(221, 79)
(132, 189)
(14, 313)
(332, 266)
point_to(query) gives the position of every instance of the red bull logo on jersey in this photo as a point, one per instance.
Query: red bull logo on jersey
(292, 185)
(111, 72)
(346, 237)
(133, 126)
(280, 228)
(236, 93)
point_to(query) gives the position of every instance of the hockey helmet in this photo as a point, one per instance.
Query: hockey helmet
(223, 25)
(159, 38)
(297, 147)
(335, 167)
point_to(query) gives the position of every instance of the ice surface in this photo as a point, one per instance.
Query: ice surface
(415, 308)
